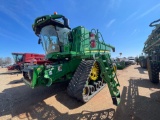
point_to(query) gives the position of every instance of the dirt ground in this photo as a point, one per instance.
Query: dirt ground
(140, 100)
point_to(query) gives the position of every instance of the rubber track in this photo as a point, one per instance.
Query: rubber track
(79, 79)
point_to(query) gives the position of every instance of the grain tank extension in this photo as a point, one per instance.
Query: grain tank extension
(76, 55)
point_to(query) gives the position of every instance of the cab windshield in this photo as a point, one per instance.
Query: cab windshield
(53, 38)
(17, 57)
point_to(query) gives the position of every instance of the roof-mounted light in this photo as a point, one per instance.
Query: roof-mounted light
(55, 13)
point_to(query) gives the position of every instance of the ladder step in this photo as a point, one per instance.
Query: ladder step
(117, 84)
(107, 68)
(109, 77)
(116, 100)
(104, 60)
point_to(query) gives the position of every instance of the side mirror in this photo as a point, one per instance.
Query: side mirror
(66, 22)
(39, 41)
(113, 49)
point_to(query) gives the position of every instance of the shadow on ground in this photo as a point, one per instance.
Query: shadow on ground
(42, 111)
(11, 73)
(141, 70)
(139, 101)
(16, 81)
(23, 102)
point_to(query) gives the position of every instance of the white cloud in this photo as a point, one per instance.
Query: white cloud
(72, 3)
(149, 11)
(134, 31)
(34, 8)
(110, 5)
(130, 17)
(110, 23)
(10, 35)
(115, 3)
(14, 16)
(72, 6)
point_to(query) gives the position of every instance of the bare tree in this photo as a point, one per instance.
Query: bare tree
(8, 60)
(5, 61)
(1, 61)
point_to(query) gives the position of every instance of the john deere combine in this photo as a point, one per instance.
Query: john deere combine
(77, 55)
(152, 50)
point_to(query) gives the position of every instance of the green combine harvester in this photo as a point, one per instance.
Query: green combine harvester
(120, 65)
(152, 50)
(75, 55)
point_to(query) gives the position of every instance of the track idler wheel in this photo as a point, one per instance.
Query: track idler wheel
(100, 83)
(92, 89)
(86, 91)
(96, 85)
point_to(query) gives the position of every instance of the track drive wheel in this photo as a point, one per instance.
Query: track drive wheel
(94, 72)
(85, 81)
(153, 71)
(114, 69)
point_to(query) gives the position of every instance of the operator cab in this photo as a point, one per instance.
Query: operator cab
(52, 31)
(17, 57)
(53, 38)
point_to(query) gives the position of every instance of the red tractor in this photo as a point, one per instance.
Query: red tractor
(24, 59)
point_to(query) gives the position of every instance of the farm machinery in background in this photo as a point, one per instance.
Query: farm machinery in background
(152, 50)
(78, 56)
(121, 63)
(24, 59)
(142, 61)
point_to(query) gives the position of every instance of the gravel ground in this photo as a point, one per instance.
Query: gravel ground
(140, 99)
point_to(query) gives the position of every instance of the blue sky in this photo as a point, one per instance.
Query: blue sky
(123, 23)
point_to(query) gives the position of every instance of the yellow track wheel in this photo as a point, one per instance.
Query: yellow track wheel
(94, 72)
(114, 67)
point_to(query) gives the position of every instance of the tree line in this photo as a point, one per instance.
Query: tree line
(5, 61)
